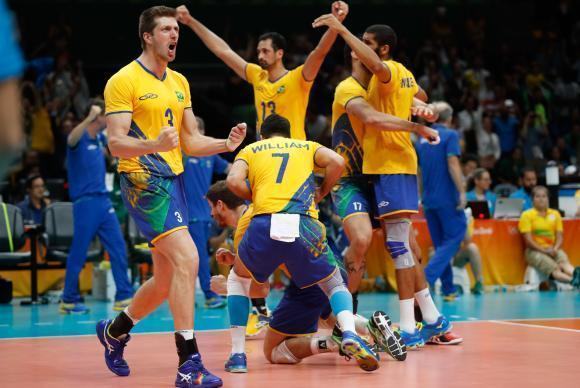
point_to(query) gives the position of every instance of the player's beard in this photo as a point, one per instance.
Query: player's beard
(264, 64)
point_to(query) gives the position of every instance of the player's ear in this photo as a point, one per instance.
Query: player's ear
(385, 50)
(279, 54)
(148, 37)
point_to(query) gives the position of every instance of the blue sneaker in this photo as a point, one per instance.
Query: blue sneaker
(237, 363)
(113, 348)
(412, 340)
(192, 373)
(216, 302)
(353, 346)
(73, 308)
(441, 326)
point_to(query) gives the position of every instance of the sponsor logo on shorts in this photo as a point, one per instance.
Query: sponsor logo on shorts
(384, 204)
(148, 96)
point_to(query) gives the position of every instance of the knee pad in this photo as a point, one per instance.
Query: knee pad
(333, 284)
(238, 285)
(282, 355)
(397, 242)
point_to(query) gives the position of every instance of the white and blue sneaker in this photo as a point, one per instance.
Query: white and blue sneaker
(237, 363)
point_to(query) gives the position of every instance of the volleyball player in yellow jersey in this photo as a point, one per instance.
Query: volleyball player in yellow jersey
(352, 195)
(391, 159)
(285, 229)
(150, 122)
(276, 89)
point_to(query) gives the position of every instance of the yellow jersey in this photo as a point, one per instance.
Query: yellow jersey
(154, 103)
(387, 152)
(281, 175)
(348, 131)
(287, 96)
(542, 228)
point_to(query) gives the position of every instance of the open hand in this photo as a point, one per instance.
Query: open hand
(330, 21)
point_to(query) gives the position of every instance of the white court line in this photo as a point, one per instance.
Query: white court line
(535, 326)
(94, 335)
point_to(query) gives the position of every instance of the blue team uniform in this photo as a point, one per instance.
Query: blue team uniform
(197, 176)
(93, 215)
(447, 224)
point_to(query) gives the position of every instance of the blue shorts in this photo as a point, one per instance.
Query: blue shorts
(396, 193)
(308, 259)
(299, 310)
(352, 195)
(157, 204)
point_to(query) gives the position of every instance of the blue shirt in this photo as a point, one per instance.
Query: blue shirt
(197, 174)
(86, 166)
(490, 197)
(507, 131)
(523, 194)
(11, 62)
(31, 214)
(438, 187)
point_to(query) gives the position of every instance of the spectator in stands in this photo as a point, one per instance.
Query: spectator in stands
(528, 180)
(488, 147)
(469, 253)
(469, 163)
(198, 173)
(470, 122)
(443, 199)
(481, 192)
(543, 231)
(35, 202)
(93, 212)
(506, 125)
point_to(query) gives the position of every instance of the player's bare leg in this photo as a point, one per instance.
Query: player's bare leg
(359, 231)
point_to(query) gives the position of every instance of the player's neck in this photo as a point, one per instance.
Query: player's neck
(361, 75)
(276, 72)
(154, 64)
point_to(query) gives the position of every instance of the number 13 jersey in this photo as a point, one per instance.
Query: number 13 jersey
(154, 103)
(286, 96)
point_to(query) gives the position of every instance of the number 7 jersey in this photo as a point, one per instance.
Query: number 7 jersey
(280, 172)
(286, 96)
(154, 103)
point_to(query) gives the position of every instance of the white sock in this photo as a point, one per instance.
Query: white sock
(360, 323)
(406, 307)
(126, 311)
(428, 308)
(345, 320)
(323, 345)
(186, 334)
(238, 334)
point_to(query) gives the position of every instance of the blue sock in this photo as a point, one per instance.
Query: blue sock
(341, 303)
(239, 309)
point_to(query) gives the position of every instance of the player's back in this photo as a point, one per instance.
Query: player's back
(153, 103)
(281, 175)
(388, 152)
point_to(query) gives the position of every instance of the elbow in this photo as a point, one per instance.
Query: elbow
(233, 184)
(114, 148)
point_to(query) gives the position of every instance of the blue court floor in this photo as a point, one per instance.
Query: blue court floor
(39, 321)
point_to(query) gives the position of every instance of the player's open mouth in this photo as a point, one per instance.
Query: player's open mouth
(172, 47)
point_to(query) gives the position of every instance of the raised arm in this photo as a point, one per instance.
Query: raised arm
(236, 180)
(333, 164)
(366, 54)
(193, 143)
(316, 57)
(77, 132)
(213, 42)
(362, 110)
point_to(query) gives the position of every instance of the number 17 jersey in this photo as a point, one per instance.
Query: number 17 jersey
(153, 103)
(280, 172)
(286, 96)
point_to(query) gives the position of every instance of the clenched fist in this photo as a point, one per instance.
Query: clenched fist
(236, 137)
(183, 16)
(167, 140)
(95, 112)
(340, 10)
(224, 256)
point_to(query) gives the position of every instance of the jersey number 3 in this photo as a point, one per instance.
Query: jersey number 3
(285, 156)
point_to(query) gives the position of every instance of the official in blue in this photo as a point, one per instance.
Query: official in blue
(528, 180)
(197, 175)
(443, 198)
(93, 212)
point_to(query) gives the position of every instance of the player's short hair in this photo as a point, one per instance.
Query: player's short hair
(147, 19)
(384, 35)
(445, 111)
(539, 188)
(275, 125)
(278, 40)
(219, 192)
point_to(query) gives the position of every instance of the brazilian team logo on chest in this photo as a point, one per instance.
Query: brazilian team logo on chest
(281, 89)
(180, 97)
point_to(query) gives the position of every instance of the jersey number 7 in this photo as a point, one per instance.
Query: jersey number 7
(285, 156)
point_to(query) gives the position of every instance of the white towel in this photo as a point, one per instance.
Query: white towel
(285, 227)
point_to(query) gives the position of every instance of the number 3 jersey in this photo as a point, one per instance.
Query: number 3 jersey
(154, 103)
(280, 172)
(286, 96)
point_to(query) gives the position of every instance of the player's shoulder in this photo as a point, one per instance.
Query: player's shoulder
(176, 75)
(530, 213)
(127, 72)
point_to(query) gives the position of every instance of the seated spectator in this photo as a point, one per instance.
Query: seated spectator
(469, 253)
(528, 180)
(543, 232)
(35, 201)
(481, 192)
